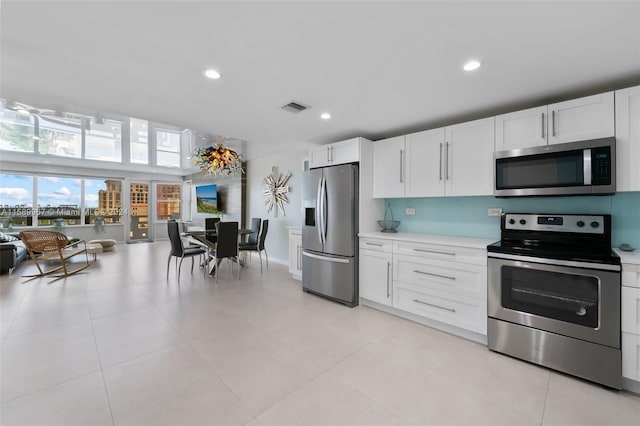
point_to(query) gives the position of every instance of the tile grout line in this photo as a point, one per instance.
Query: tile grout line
(95, 342)
(13, 318)
(546, 398)
(208, 366)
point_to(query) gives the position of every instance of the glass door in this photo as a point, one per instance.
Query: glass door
(139, 225)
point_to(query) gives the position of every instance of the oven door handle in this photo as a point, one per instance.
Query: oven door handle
(556, 262)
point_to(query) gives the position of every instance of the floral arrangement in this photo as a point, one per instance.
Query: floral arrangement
(218, 161)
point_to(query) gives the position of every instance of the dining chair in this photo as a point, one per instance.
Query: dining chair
(259, 244)
(178, 250)
(252, 238)
(227, 246)
(210, 225)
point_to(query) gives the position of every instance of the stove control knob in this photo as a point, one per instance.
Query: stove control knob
(522, 221)
(511, 221)
(595, 224)
(580, 224)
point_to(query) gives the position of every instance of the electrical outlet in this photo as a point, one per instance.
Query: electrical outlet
(495, 212)
(410, 211)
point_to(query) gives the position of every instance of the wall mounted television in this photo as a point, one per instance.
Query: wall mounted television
(207, 198)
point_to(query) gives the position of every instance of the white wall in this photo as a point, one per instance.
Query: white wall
(278, 236)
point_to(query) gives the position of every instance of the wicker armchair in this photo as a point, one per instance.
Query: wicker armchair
(53, 246)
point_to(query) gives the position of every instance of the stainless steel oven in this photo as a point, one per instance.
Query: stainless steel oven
(554, 294)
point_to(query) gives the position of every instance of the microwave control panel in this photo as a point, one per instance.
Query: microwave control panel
(601, 166)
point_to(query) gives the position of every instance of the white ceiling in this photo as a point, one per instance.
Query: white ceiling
(380, 68)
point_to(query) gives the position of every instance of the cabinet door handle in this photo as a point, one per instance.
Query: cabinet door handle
(434, 275)
(432, 251)
(553, 123)
(328, 154)
(435, 306)
(542, 124)
(374, 244)
(388, 268)
(401, 171)
(447, 162)
(440, 169)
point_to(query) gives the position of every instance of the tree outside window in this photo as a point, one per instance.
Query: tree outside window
(16, 131)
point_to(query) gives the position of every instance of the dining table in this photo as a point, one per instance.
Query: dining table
(200, 237)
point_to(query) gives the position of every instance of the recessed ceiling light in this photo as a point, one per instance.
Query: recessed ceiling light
(212, 74)
(471, 65)
(325, 116)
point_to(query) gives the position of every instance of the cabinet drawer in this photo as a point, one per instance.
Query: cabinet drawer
(442, 252)
(459, 311)
(631, 310)
(630, 275)
(460, 278)
(631, 356)
(376, 244)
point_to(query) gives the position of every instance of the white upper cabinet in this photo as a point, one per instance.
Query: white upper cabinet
(336, 153)
(424, 163)
(585, 118)
(521, 129)
(469, 158)
(388, 168)
(628, 139)
(455, 160)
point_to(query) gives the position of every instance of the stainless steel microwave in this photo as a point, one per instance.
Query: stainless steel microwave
(575, 168)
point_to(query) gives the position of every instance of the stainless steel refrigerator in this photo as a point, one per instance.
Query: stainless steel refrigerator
(329, 233)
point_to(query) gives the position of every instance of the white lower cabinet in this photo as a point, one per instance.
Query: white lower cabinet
(440, 282)
(375, 276)
(465, 312)
(295, 253)
(631, 356)
(630, 324)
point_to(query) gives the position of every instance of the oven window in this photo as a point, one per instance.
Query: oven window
(565, 297)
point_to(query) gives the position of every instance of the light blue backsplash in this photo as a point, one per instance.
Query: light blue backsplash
(467, 216)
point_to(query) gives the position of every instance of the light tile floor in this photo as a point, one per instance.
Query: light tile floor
(123, 345)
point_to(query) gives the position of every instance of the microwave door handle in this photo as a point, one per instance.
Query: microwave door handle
(586, 164)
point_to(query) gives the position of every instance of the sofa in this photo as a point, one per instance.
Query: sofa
(12, 252)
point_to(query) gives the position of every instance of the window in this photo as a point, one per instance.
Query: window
(168, 204)
(16, 131)
(60, 136)
(103, 141)
(16, 200)
(58, 200)
(110, 201)
(168, 148)
(139, 138)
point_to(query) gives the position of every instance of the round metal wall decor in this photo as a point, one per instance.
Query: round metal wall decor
(275, 192)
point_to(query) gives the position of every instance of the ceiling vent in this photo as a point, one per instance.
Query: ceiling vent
(295, 107)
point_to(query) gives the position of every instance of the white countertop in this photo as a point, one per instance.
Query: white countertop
(449, 240)
(628, 256)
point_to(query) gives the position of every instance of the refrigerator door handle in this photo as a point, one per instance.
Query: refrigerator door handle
(324, 210)
(318, 208)
(328, 259)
